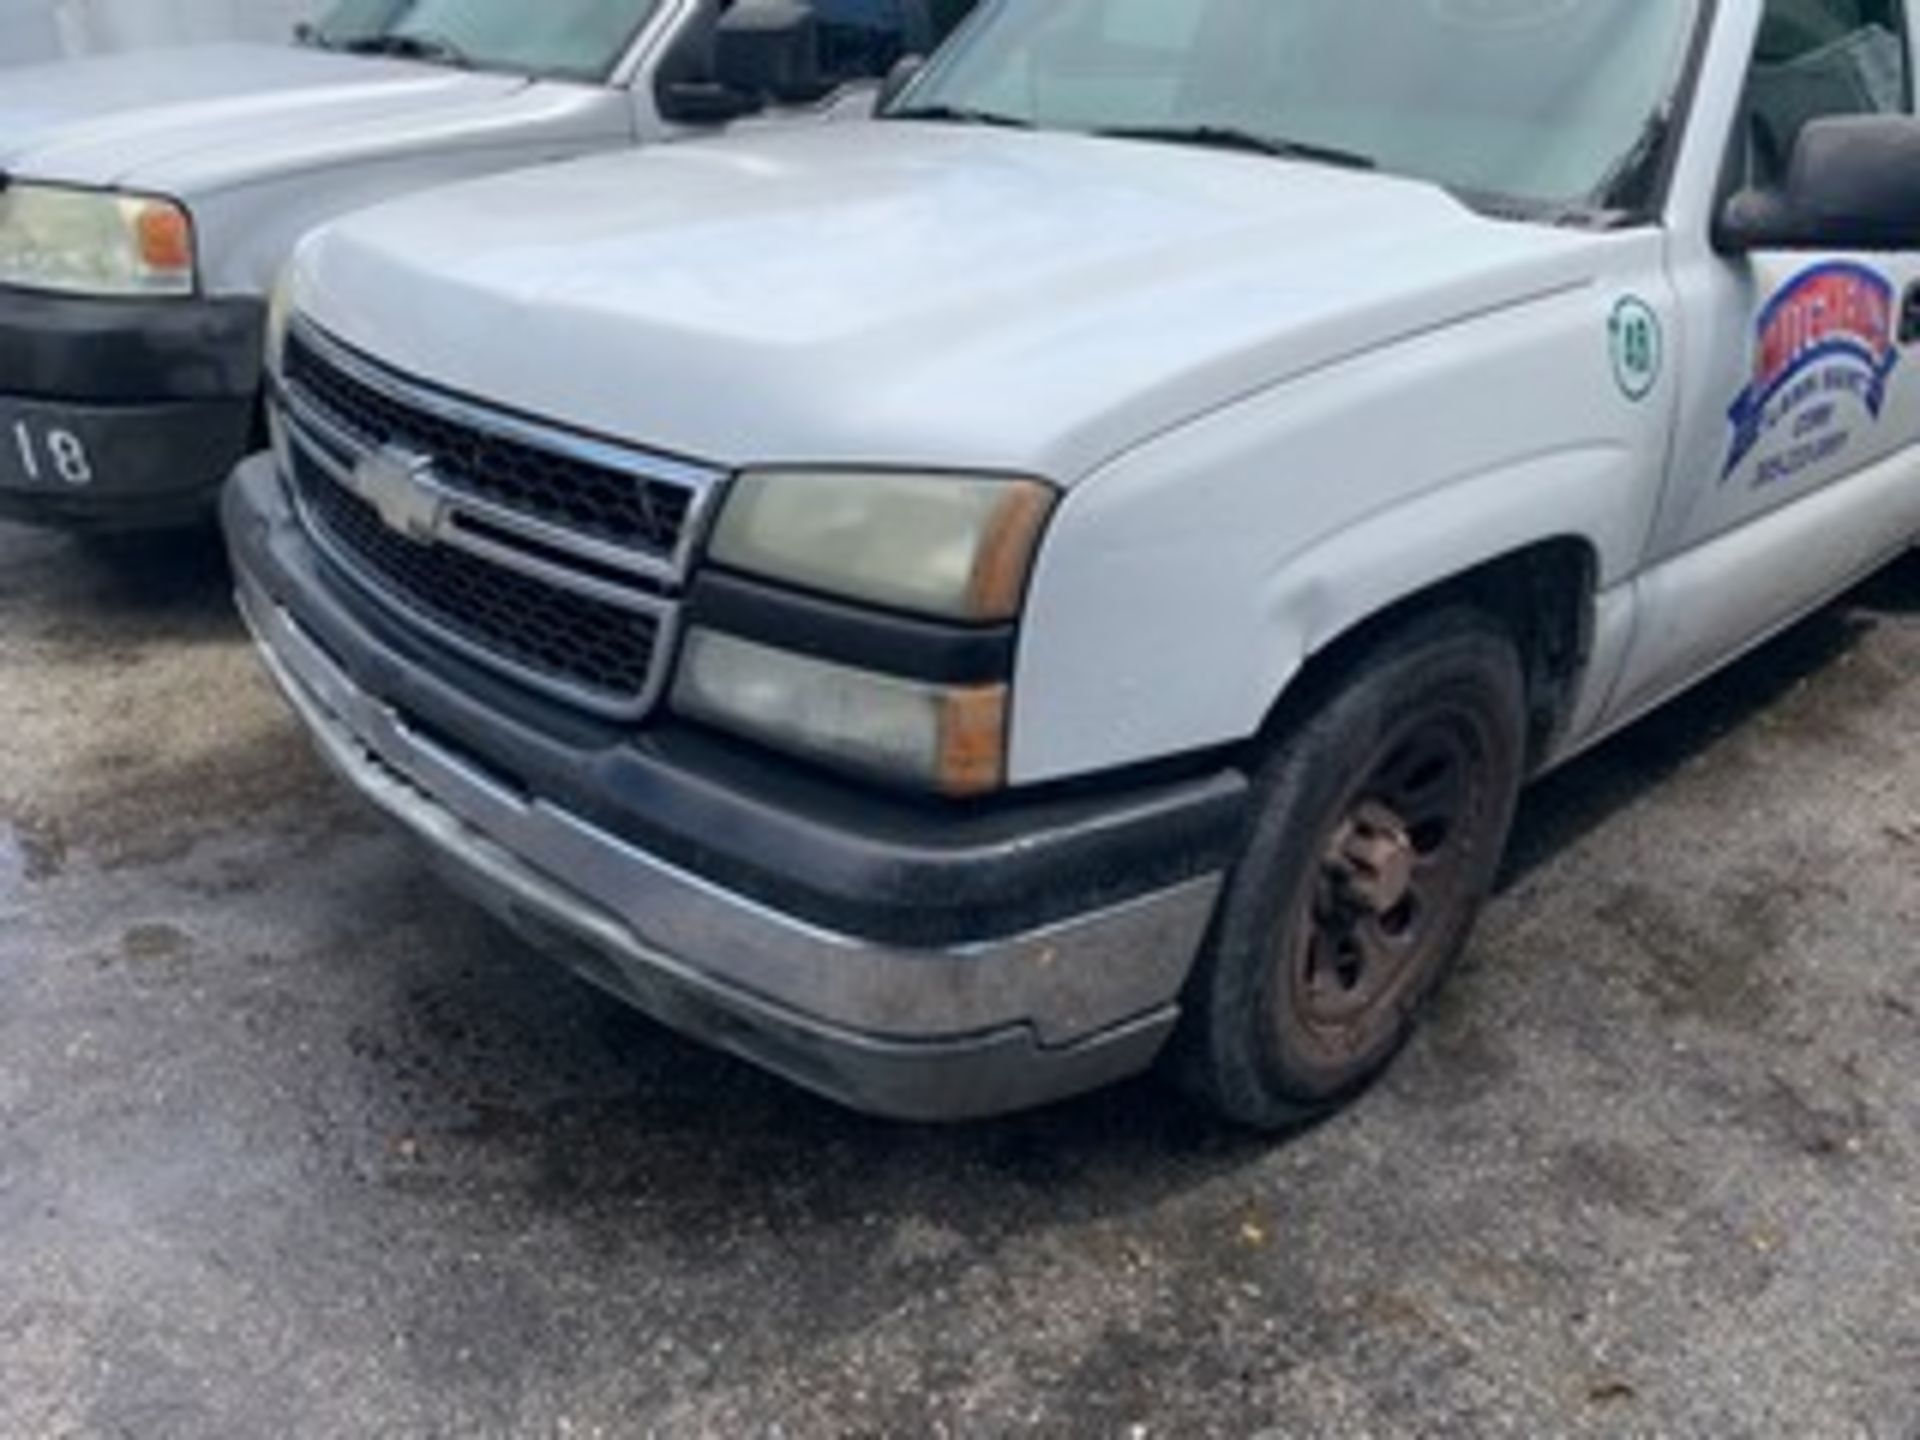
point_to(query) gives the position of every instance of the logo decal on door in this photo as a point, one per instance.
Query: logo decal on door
(1639, 348)
(1825, 341)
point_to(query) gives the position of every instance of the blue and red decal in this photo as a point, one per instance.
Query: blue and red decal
(1827, 335)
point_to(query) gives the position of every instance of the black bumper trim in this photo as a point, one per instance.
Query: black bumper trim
(844, 634)
(129, 352)
(143, 466)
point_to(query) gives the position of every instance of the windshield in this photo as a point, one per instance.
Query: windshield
(581, 39)
(1541, 101)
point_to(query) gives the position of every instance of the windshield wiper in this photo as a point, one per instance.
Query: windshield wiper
(1228, 137)
(959, 115)
(433, 49)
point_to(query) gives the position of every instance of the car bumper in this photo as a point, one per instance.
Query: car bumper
(123, 414)
(905, 1010)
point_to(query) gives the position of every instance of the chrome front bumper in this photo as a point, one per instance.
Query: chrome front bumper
(941, 1033)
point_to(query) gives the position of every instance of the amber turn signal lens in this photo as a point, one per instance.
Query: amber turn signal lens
(973, 742)
(1004, 561)
(165, 237)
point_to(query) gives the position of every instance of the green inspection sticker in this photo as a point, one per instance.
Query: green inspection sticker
(1638, 347)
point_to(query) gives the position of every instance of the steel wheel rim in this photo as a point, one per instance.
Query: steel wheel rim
(1397, 867)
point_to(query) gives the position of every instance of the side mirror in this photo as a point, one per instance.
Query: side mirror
(904, 72)
(702, 102)
(770, 48)
(1853, 184)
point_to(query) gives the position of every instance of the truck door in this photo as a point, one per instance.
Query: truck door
(1799, 379)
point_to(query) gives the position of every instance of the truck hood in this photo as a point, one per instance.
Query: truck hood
(139, 121)
(911, 294)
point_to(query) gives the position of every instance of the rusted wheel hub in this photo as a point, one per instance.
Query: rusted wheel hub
(1394, 872)
(1372, 858)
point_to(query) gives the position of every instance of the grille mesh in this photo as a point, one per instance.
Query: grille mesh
(604, 650)
(573, 493)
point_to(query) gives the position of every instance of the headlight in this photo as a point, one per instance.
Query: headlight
(952, 547)
(87, 242)
(951, 740)
(957, 549)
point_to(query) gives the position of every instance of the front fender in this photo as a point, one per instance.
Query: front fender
(1184, 587)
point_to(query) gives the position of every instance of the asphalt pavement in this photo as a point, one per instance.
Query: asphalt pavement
(294, 1143)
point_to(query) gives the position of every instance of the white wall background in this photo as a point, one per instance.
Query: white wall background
(46, 29)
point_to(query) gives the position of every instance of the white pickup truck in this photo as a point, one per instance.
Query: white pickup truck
(148, 201)
(1077, 572)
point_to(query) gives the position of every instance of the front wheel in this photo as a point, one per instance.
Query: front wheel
(1380, 822)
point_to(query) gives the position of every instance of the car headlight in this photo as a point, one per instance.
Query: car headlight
(954, 552)
(947, 739)
(90, 242)
(953, 547)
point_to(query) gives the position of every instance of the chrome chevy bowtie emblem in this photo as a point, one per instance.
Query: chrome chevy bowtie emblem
(398, 483)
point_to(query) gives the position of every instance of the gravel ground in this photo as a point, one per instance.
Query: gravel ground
(293, 1143)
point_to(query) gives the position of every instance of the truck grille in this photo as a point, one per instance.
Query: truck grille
(551, 558)
(568, 491)
(602, 649)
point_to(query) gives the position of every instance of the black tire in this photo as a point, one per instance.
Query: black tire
(1339, 904)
